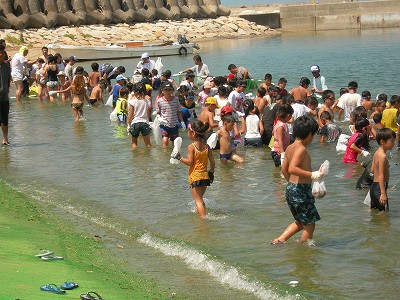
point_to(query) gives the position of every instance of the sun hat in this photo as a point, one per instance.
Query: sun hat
(61, 73)
(23, 49)
(226, 110)
(207, 84)
(211, 101)
(73, 58)
(315, 68)
(145, 55)
(120, 77)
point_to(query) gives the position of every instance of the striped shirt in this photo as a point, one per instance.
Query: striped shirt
(169, 111)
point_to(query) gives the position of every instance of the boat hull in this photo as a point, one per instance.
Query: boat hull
(94, 53)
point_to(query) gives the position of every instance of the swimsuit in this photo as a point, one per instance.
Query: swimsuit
(375, 193)
(226, 156)
(92, 101)
(77, 106)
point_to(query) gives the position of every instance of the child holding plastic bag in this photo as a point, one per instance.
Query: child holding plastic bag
(296, 168)
(199, 153)
(318, 187)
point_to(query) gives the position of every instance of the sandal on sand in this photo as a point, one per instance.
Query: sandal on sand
(52, 257)
(277, 242)
(44, 253)
(89, 296)
(51, 288)
(69, 285)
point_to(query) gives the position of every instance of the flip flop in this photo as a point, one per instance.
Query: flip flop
(52, 257)
(51, 288)
(89, 296)
(44, 253)
(69, 285)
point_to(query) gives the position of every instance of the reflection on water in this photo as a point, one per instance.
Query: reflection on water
(91, 164)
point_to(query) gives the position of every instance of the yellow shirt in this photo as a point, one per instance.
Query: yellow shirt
(198, 170)
(389, 118)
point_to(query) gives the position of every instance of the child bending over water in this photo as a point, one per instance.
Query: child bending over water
(199, 153)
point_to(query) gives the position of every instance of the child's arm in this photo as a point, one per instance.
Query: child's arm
(279, 137)
(261, 125)
(381, 166)
(101, 96)
(211, 159)
(244, 128)
(189, 160)
(131, 114)
(323, 134)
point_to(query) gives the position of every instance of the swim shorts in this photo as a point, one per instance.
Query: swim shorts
(375, 193)
(171, 133)
(226, 156)
(4, 111)
(140, 128)
(255, 142)
(92, 101)
(203, 182)
(302, 203)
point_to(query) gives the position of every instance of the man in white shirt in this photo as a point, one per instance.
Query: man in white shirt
(348, 102)
(318, 83)
(18, 63)
(199, 69)
(145, 62)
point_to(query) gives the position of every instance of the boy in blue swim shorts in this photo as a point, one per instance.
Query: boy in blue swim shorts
(226, 148)
(298, 190)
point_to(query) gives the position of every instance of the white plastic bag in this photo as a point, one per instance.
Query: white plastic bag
(367, 200)
(109, 101)
(342, 143)
(113, 116)
(155, 126)
(177, 148)
(158, 65)
(212, 140)
(318, 186)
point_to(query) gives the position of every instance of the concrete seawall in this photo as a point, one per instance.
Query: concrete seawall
(348, 15)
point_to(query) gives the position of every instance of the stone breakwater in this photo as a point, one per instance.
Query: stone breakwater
(195, 30)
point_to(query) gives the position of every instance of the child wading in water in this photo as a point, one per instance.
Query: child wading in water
(199, 153)
(380, 168)
(296, 168)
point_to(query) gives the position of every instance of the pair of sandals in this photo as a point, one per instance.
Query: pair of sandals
(53, 288)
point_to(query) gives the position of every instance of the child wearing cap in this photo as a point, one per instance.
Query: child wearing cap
(207, 115)
(168, 108)
(205, 93)
(116, 87)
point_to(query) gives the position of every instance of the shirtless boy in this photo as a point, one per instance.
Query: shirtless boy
(207, 115)
(96, 95)
(296, 168)
(329, 98)
(301, 92)
(227, 149)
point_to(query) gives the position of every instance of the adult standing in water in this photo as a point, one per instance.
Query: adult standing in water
(318, 83)
(5, 79)
(18, 62)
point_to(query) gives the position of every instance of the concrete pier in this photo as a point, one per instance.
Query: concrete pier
(342, 15)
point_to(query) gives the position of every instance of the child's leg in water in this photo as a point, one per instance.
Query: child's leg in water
(295, 227)
(197, 193)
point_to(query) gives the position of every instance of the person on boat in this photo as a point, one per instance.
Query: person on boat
(200, 69)
(145, 62)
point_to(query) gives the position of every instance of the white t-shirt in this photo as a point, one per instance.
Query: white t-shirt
(17, 66)
(252, 127)
(201, 71)
(348, 102)
(148, 65)
(236, 100)
(221, 103)
(141, 108)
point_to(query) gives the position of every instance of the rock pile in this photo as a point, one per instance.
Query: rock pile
(195, 30)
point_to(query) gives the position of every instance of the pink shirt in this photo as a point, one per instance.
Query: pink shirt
(350, 156)
(285, 137)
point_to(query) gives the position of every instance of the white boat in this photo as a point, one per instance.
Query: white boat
(129, 49)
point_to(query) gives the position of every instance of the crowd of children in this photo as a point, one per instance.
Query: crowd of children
(284, 121)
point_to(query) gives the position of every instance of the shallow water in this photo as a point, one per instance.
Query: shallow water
(88, 170)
